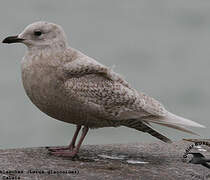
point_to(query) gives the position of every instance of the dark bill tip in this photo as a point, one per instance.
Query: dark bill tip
(12, 39)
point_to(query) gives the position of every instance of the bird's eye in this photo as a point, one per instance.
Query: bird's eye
(37, 33)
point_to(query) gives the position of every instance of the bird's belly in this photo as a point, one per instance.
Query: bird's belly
(48, 94)
(45, 90)
(54, 103)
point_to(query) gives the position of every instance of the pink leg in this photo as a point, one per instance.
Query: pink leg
(75, 150)
(71, 145)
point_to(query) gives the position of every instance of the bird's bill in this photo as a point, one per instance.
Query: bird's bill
(12, 39)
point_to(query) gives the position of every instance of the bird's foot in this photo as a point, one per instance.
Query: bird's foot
(55, 149)
(65, 153)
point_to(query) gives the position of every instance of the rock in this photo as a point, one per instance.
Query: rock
(142, 161)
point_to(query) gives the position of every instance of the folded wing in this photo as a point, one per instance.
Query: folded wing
(108, 96)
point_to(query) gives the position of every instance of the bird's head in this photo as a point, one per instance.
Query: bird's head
(40, 35)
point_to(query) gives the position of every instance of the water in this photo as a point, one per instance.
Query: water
(161, 47)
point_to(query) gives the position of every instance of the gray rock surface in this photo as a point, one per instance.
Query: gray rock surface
(158, 161)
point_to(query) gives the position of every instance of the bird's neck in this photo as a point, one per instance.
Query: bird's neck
(44, 51)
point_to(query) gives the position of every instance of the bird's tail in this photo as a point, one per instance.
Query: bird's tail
(170, 120)
(173, 121)
(141, 126)
(177, 120)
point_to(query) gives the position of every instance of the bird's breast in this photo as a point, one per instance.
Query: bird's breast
(45, 89)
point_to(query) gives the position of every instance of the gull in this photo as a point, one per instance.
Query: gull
(72, 87)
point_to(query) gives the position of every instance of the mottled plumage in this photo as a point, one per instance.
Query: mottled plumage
(72, 87)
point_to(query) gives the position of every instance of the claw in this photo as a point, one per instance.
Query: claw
(51, 149)
(71, 150)
(72, 153)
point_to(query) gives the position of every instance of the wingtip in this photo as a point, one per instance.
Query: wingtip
(202, 126)
(183, 121)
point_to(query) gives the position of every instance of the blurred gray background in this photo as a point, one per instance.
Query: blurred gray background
(161, 47)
